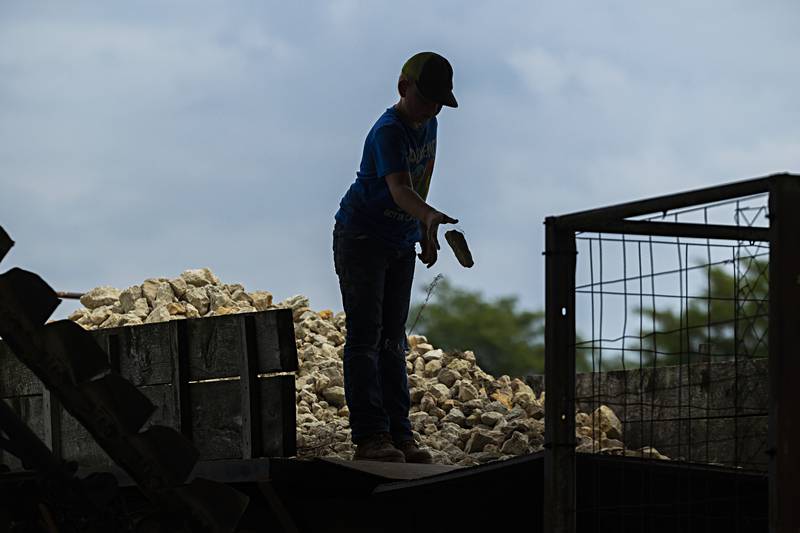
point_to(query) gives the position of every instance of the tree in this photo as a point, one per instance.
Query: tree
(505, 339)
(729, 317)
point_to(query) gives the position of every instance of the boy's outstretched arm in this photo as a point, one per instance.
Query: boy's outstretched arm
(409, 201)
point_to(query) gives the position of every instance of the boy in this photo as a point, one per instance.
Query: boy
(381, 218)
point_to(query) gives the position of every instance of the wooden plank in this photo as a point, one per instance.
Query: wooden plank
(78, 445)
(145, 354)
(393, 471)
(218, 423)
(163, 396)
(29, 409)
(180, 382)
(288, 346)
(51, 422)
(277, 351)
(142, 354)
(250, 394)
(226, 419)
(223, 471)
(278, 416)
(16, 379)
(214, 346)
(216, 419)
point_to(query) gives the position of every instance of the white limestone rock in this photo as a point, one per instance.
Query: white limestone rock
(262, 300)
(99, 315)
(128, 297)
(199, 277)
(141, 308)
(608, 422)
(418, 419)
(296, 302)
(416, 394)
(440, 392)
(419, 366)
(432, 368)
(479, 438)
(497, 407)
(218, 298)
(199, 299)
(164, 294)
(491, 418)
(516, 445)
(112, 321)
(191, 311)
(159, 314)
(129, 319)
(414, 340)
(78, 314)
(427, 403)
(179, 286)
(321, 382)
(455, 416)
(176, 308)
(467, 391)
(649, 453)
(431, 355)
(242, 298)
(334, 395)
(150, 288)
(100, 297)
(231, 288)
(448, 377)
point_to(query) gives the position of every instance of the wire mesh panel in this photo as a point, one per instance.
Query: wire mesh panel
(674, 332)
(663, 309)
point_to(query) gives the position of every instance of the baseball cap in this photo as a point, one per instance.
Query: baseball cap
(433, 76)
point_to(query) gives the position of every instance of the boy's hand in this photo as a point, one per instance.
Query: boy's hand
(430, 241)
(429, 254)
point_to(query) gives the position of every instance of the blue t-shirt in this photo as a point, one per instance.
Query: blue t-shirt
(368, 206)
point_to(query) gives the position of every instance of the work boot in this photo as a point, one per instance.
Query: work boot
(378, 448)
(413, 453)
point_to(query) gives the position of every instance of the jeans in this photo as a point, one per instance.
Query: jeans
(375, 282)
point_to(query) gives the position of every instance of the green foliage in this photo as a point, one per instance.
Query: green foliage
(729, 318)
(505, 339)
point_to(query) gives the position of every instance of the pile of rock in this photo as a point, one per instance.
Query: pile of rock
(195, 293)
(462, 414)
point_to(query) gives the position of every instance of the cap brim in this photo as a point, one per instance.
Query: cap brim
(449, 100)
(444, 98)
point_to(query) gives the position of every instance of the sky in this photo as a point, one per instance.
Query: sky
(141, 139)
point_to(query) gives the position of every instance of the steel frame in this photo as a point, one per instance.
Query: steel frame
(783, 236)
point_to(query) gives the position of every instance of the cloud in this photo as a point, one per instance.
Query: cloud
(540, 70)
(143, 142)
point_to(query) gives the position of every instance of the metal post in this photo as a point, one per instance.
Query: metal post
(559, 459)
(784, 359)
